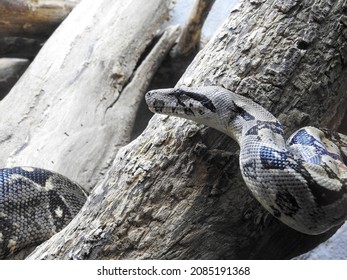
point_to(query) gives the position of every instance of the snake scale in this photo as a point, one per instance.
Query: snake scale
(34, 204)
(301, 181)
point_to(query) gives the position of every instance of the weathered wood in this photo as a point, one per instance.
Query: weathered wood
(176, 192)
(10, 71)
(333, 249)
(71, 115)
(191, 33)
(32, 18)
(20, 47)
(133, 94)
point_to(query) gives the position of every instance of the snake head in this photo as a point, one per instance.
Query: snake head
(213, 106)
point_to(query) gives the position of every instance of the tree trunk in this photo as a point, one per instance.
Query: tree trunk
(176, 191)
(75, 105)
(20, 47)
(32, 18)
(191, 33)
(10, 71)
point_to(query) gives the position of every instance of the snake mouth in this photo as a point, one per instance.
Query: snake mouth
(178, 101)
(155, 102)
(162, 107)
(158, 105)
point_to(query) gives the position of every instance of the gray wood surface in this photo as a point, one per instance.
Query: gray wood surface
(176, 192)
(32, 18)
(68, 112)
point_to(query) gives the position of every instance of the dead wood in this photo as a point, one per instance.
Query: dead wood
(176, 192)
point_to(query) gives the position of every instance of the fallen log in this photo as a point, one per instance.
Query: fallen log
(20, 47)
(32, 18)
(10, 71)
(189, 39)
(73, 107)
(176, 192)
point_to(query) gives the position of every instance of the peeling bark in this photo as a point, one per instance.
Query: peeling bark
(176, 191)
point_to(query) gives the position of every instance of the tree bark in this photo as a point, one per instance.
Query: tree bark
(176, 191)
(75, 105)
(32, 18)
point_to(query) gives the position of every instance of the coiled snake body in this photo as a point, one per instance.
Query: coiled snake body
(34, 204)
(301, 181)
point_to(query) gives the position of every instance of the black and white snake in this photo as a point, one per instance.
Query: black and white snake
(301, 181)
(34, 204)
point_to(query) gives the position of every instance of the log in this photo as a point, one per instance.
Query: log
(191, 34)
(20, 47)
(333, 249)
(32, 18)
(10, 71)
(176, 192)
(75, 105)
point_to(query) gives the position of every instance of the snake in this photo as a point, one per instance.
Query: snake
(301, 181)
(35, 204)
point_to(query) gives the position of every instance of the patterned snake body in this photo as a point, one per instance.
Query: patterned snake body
(34, 205)
(301, 181)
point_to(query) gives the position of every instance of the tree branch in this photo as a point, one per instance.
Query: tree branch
(176, 191)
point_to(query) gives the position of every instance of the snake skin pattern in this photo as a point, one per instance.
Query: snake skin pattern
(34, 205)
(301, 181)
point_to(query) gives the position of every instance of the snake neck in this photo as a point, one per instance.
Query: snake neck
(213, 106)
(301, 182)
